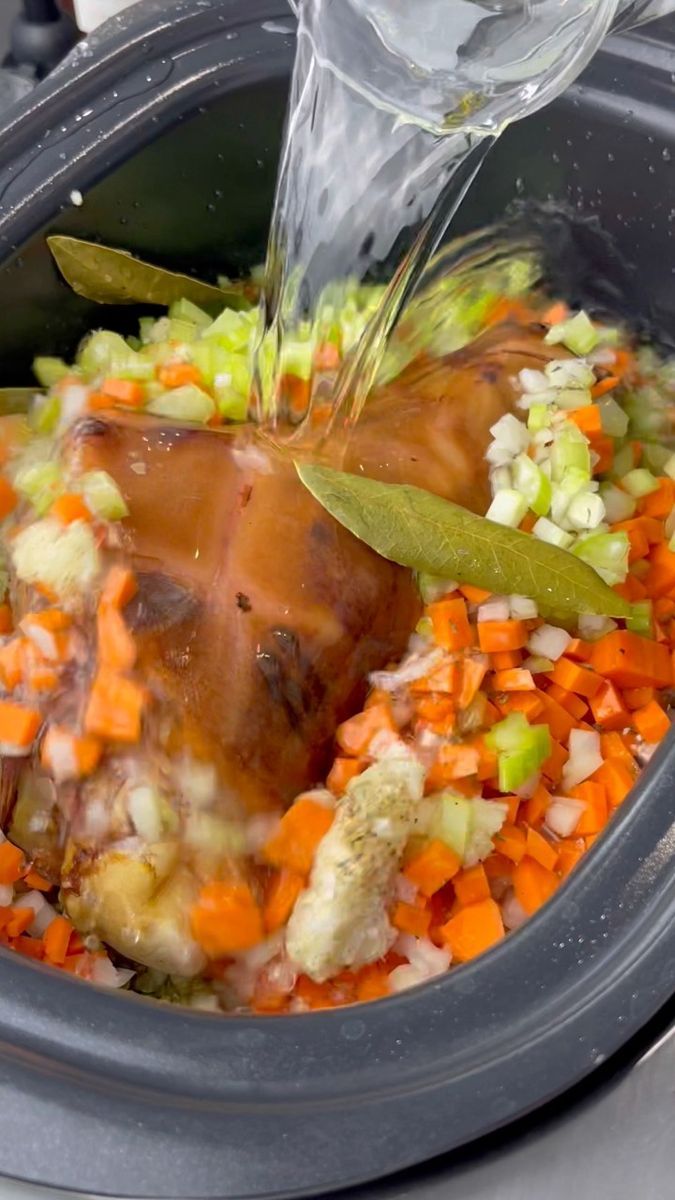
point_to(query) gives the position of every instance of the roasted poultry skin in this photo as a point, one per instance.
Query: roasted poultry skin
(258, 618)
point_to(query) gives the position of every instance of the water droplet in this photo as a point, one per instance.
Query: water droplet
(651, 169)
(610, 157)
(665, 154)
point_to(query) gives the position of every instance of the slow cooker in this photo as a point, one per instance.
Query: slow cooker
(167, 124)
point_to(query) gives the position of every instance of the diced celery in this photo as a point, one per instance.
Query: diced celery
(297, 358)
(619, 506)
(103, 496)
(44, 415)
(49, 371)
(623, 461)
(232, 406)
(532, 484)
(577, 333)
(233, 330)
(573, 397)
(570, 452)
(640, 619)
(451, 822)
(639, 482)
(508, 734)
(182, 331)
(546, 531)
(187, 403)
(538, 417)
(432, 587)
(145, 328)
(106, 353)
(607, 553)
(613, 418)
(185, 310)
(507, 508)
(569, 373)
(487, 818)
(424, 627)
(655, 456)
(204, 354)
(41, 483)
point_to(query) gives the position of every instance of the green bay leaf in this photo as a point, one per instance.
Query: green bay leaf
(110, 276)
(419, 530)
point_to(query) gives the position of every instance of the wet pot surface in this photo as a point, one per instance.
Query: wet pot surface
(170, 127)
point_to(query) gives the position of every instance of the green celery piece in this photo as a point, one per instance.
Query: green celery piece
(419, 530)
(185, 310)
(49, 371)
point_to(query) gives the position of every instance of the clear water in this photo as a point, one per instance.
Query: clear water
(393, 106)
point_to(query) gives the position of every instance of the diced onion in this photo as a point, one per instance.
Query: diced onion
(562, 815)
(412, 668)
(532, 381)
(406, 976)
(513, 913)
(586, 511)
(510, 433)
(549, 641)
(507, 508)
(547, 531)
(585, 757)
(497, 608)
(592, 627)
(522, 608)
(422, 954)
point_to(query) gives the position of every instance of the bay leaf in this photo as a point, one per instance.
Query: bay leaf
(419, 530)
(110, 276)
(16, 399)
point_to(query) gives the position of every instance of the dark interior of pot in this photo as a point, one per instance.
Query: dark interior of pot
(197, 198)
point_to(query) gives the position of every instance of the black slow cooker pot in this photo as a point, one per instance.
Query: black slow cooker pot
(168, 123)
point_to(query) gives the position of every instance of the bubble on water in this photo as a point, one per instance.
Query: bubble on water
(610, 156)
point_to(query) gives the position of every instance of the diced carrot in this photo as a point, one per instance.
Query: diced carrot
(226, 919)
(438, 712)
(281, 897)
(594, 817)
(587, 419)
(267, 998)
(638, 697)
(474, 929)
(629, 660)
(70, 508)
(326, 357)
(342, 772)
(533, 885)
(120, 586)
(315, 995)
(552, 768)
(474, 595)
(115, 708)
(664, 608)
(579, 650)
(517, 679)
(639, 546)
(66, 755)
(556, 717)
(528, 703)
(535, 808)
(12, 663)
(538, 848)
(19, 921)
(355, 735)
(632, 588)
(512, 806)
(576, 706)
(443, 678)
(409, 919)
(178, 374)
(124, 391)
(609, 711)
(510, 841)
(660, 578)
(301, 829)
(372, 983)
(98, 401)
(8, 498)
(528, 523)
(18, 727)
(457, 761)
(603, 446)
(603, 386)
(651, 722)
(471, 885)
(116, 647)
(495, 636)
(569, 854)
(507, 660)
(574, 677)
(659, 503)
(6, 620)
(497, 866)
(612, 745)
(653, 529)
(431, 869)
(11, 863)
(29, 947)
(473, 671)
(37, 882)
(56, 939)
(555, 313)
(450, 622)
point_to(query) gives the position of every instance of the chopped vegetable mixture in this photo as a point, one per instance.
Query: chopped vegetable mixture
(487, 756)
